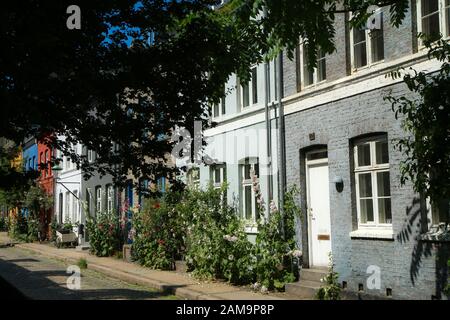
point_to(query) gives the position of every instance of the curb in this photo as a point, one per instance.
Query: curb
(167, 288)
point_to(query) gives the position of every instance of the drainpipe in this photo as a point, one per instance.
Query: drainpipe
(282, 165)
(268, 134)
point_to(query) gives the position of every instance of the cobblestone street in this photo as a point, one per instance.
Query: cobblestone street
(37, 277)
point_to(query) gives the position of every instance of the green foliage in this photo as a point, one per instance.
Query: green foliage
(276, 250)
(331, 289)
(426, 118)
(155, 244)
(36, 199)
(3, 224)
(53, 227)
(82, 263)
(32, 229)
(104, 234)
(200, 226)
(217, 245)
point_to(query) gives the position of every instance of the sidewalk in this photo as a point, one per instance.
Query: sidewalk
(172, 282)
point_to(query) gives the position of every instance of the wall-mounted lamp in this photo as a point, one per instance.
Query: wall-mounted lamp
(339, 183)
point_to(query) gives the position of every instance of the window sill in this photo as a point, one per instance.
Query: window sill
(372, 233)
(251, 228)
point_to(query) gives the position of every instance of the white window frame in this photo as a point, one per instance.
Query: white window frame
(191, 182)
(98, 199)
(373, 169)
(110, 198)
(90, 155)
(74, 206)
(67, 213)
(442, 25)
(302, 66)
(368, 47)
(245, 183)
(222, 175)
(250, 90)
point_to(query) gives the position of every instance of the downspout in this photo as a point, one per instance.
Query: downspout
(268, 130)
(268, 134)
(282, 166)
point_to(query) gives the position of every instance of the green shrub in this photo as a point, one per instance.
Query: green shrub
(156, 241)
(217, 245)
(32, 229)
(104, 234)
(17, 226)
(331, 289)
(82, 263)
(277, 255)
(3, 224)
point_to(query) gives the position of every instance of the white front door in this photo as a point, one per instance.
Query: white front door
(318, 211)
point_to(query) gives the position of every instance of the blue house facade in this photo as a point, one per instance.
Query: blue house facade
(30, 154)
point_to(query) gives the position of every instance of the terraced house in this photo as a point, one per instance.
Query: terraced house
(338, 145)
(77, 197)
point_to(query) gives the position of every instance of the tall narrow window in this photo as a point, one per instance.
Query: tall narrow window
(218, 175)
(193, 178)
(359, 48)
(47, 160)
(110, 199)
(245, 95)
(372, 180)
(316, 74)
(249, 169)
(434, 18)
(430, 17)
(254, 85)
(75, 206)
(368, 42)
(67, 207)
(98, 199)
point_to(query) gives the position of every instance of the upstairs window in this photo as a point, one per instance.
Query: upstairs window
(434, 17)
(310, 76)
(219, 108)
(249, 90)
(372, 180)
(368, 42)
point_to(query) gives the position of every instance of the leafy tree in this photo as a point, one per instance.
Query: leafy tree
(93, 87)
(426, 118)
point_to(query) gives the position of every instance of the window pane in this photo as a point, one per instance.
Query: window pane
(447, 17)
(359, 35)
(308, 73)
(248, 202)
(430, 26)
(247, 169)
(366, 207)
(384, 210)
(365, 185)
(360, 55)
(254, 86)
(217, 175)
(429, 6)
(223, 105)
(363, 155)
(384, 187)
(382, 153)
(377, 45)
(216, 110)
(245, 95)
(321, 67)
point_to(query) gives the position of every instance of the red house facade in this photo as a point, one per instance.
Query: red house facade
(46, 181)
